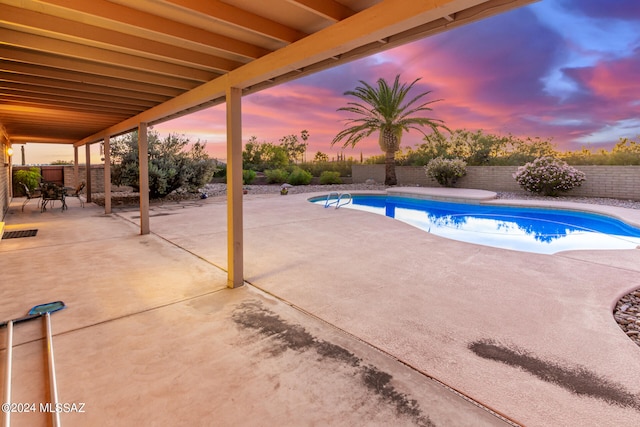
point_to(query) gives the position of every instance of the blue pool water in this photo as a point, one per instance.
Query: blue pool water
(524, 229)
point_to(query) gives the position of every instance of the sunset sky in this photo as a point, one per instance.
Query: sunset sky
(561, 69)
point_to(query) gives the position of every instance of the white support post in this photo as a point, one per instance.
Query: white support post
(76, 174)
(88, 171)
(107, 176)
(143, 161)
(234, 188)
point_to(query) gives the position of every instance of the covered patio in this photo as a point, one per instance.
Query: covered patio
(80, 73)
(346, 318)
(339, 318)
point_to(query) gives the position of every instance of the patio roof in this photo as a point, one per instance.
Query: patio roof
(75, 72)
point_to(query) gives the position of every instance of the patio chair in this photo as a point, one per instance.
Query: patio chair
(29, 195)
(77, 191)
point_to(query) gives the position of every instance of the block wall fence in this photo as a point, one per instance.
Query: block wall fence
(618, 182)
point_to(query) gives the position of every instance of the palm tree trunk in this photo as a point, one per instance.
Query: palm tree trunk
(390, 168)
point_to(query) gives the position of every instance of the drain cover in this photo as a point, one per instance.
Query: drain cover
(18, 234)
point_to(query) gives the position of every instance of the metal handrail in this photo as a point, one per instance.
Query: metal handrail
(338, 204)
(339, 199)
(328, 203)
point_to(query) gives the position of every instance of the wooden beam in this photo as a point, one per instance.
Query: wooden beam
(79, 51)
(235, 258)
(121, 18)
(88, 171)
(241, 19)
(104, 70)
(107, 175)
(106, 38)
(328, 9)
(143, 169)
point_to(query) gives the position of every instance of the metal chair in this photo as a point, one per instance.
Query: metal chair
(77, 191)
(30, 195)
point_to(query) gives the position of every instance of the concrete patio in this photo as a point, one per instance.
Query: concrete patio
(347, 318)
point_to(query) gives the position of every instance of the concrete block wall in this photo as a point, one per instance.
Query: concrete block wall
(618, 182)
(97, 177)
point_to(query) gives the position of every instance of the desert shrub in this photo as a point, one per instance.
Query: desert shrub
(299, 177)
(174, 163)
(276, 176)
(446, 171)
(248, 176)
(329, 177)
(548, 176)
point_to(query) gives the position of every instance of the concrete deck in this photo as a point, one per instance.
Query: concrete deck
(345, 319)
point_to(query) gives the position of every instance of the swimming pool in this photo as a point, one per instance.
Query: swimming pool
(528, 229)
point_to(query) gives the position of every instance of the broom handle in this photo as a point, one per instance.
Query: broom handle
(53, 386)
(6, 418)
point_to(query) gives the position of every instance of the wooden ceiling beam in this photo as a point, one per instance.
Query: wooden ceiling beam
(241, 19)
(21, 89)
(328, 9)
(85, 52)
(125, 19)
(82, 89)
(86, 67)
(80, 80)
(79, 32)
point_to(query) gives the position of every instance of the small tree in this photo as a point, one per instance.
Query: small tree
(294, 148)
(548, 176)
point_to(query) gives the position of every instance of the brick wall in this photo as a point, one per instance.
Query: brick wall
(619, 182)
(97, 177)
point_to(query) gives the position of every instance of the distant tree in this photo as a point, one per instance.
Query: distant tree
(260, 156)
(384, 109)
(294, 148)
(321, 157)
(173, 163)
(61, 162)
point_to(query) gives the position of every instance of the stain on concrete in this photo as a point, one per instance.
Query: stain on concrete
(577, 380)
(253, 315)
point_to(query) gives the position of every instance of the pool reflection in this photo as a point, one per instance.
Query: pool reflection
(524, 229)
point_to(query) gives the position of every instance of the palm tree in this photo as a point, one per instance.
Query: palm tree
(382, 109)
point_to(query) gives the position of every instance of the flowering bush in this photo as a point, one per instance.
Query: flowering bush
(548, 176)
(446, 171)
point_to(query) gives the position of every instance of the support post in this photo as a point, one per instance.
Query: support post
(76, 173)
(107, 176)
(234, 188)
(88, 171)
(143, 162)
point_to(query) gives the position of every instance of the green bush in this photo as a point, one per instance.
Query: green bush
(248, 176)
(276, 176)
(548, 176)
(31, 178)
(329, 177)
(446, 171)
(299, 177)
